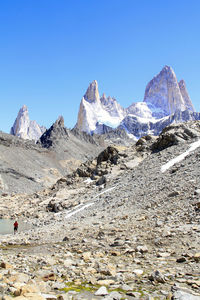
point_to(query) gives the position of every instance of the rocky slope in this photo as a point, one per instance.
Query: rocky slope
(120, 227)
(24, 128)
(26, 167)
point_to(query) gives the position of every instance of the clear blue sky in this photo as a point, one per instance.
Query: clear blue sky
(50, 50)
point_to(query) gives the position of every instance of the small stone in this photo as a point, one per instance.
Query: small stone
(86, 256)
(197, 257)
(106, 282)
(138, 272)
(173, 194)
(64, 297)
(102, 291)
(133, 294)
(197, 192)
(68, 262)
(49, 297)
(5, 265)
(157, 276)
(181, 259)
(113, 296)
(126, 287)
(142, 249)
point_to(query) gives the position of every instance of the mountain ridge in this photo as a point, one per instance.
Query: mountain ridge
(164, 101)
(164, 97)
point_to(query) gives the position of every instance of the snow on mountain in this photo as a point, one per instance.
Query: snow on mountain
(139, 127)
(24, 128)
(165, 101)
(180, 157)
(139, 109)
(95, 110)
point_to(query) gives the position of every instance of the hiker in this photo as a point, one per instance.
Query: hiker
(15, 227)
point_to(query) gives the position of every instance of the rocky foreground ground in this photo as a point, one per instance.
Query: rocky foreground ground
(117, 228)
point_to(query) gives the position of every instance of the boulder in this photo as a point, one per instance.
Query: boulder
(110, 154)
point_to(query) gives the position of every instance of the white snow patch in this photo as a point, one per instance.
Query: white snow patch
(88, 181)
(108, 190)
(75, 210)
(179, 158)
(96, 113)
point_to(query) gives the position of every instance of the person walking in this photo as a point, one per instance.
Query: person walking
(15, 227)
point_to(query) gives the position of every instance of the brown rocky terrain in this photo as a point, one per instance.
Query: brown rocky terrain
(119, 227)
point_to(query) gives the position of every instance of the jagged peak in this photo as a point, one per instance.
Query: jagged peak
(24, 108)
(164, 95)
(182, 83)
(25, 128)
(92, 93)
(60, 122)
(103, 97)
(167, 71)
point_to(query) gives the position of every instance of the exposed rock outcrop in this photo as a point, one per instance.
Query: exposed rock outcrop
(109, 154)
(24, 128)
(54, 133)
(185, 95)
(92, 93)
(176, 133)
(165, 96)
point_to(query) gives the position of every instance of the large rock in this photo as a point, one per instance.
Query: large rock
(184, 294)
(176, 133)
(109, 154)
(24, 128)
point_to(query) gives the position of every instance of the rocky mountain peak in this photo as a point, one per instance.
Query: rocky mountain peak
(59, 122)
(185, 95)
(182, 84)
(163, 95)
(95, 111)
(92, 93)
(57, 131)
(24, 128)
(23, 109)
(103, 98)
(168, 69)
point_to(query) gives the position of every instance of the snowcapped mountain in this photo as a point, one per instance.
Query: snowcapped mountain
(165, 101)
(165, 96)
(24, 128)
(95, 111)
(139, 127)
